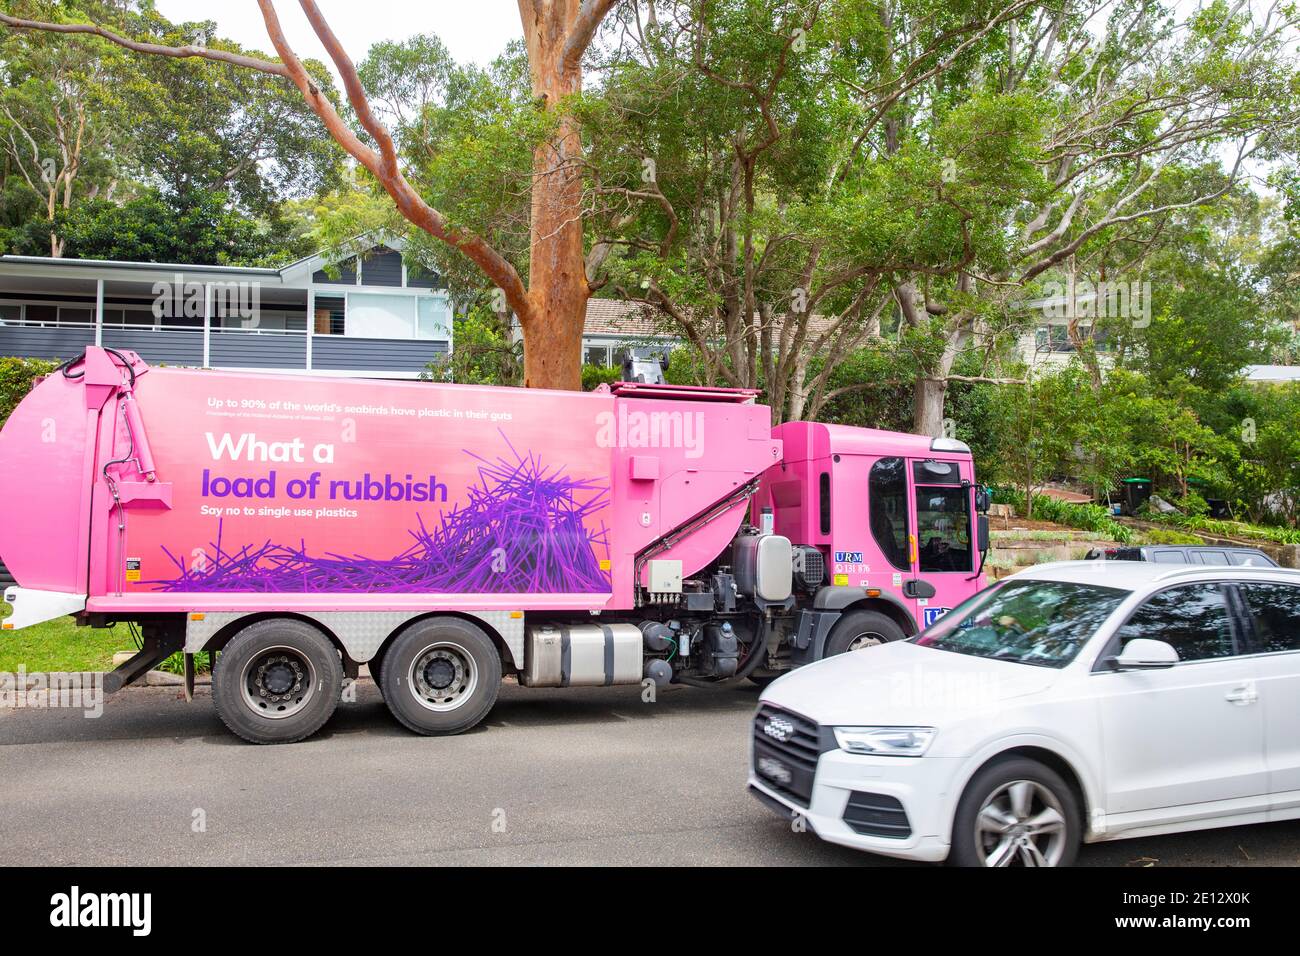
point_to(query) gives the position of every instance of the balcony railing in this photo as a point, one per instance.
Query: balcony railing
(226, 348)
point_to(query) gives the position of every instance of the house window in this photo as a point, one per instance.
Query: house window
(329, 315)
(595, 355)
(434, 317)
(377, 316)
(11, 314)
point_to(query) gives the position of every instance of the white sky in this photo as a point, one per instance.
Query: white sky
(473, 30)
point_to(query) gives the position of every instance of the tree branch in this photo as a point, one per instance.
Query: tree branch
(157, 49)
(590, 15)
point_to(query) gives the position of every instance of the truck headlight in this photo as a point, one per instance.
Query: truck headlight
(886, 741)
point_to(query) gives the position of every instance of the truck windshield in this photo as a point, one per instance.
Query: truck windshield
(1028, 622)
(943, 529)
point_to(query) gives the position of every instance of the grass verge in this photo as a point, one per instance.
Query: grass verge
(60, 645)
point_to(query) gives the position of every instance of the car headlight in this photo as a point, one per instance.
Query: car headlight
(886, 741)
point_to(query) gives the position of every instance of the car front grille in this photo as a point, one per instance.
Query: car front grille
(786, 748)
(874, 814)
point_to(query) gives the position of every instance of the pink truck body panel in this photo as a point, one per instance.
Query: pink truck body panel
(244, 491)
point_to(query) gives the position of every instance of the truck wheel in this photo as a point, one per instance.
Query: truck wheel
(1016, 812)
(861, 629)
(441, 676)
(277, 681)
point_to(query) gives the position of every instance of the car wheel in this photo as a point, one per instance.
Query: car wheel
(277, 681)
(1016, 812)
(859, 630)
(441, 676)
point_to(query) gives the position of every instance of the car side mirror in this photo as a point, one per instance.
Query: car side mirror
(1144, 654)
(982, 533)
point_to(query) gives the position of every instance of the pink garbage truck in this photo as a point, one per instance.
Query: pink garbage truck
(447, 535)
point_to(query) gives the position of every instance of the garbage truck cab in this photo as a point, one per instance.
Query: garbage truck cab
(888, 531)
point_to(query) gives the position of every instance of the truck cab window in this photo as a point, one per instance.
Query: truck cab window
(943, 529)
(887, 488)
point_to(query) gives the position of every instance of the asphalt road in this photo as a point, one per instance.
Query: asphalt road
(553, 777)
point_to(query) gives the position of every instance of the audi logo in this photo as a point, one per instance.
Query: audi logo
(778, 728)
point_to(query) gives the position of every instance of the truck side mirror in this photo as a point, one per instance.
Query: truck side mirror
(982, 532)
(982, 501)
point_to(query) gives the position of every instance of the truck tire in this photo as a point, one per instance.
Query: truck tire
(856, 630)
(1016, 812)
(441, 676)
(277, 681)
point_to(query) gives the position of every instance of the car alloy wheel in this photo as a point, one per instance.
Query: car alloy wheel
(1021, 823)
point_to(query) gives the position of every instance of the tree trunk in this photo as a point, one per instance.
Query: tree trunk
(556, 277)
(927, 405)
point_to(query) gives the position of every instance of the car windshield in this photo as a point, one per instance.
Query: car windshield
(1027, 622)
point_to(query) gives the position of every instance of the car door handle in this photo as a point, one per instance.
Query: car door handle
(1245, 694)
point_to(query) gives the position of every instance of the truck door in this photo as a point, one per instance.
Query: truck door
(942, 550)
(893, 530)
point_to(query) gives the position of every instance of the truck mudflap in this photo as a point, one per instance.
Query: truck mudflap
(812, 627)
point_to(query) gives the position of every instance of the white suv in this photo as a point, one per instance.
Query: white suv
(1079, 701)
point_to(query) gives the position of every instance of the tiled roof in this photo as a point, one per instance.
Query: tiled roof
(631, 319)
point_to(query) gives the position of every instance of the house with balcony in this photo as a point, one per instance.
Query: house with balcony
(374, 315)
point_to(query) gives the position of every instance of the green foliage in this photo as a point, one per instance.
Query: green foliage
(98, 141)
(594, 375)
(467, 136)
(176, 663)
(1160, 536)
(872, 387)
(1229, 529)
(483, 353)
(202, 229)
(60, 646)
(16, 378)
(1093, 518)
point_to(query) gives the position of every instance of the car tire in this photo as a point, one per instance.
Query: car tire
(861, 629)
(441, 676)
(277, 681)
(995, 820)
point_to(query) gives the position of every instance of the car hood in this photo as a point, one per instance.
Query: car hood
(902, 684)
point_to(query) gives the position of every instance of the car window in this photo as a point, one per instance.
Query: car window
(1250, 559)
(1169, 557)
(1275, 609)
(1211, 557)
(1193, 618)
(1025, 621)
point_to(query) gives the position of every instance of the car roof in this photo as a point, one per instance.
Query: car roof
(1136, 575)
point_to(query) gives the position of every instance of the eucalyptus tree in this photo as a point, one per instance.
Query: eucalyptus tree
(778, 177)
(550, 303)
